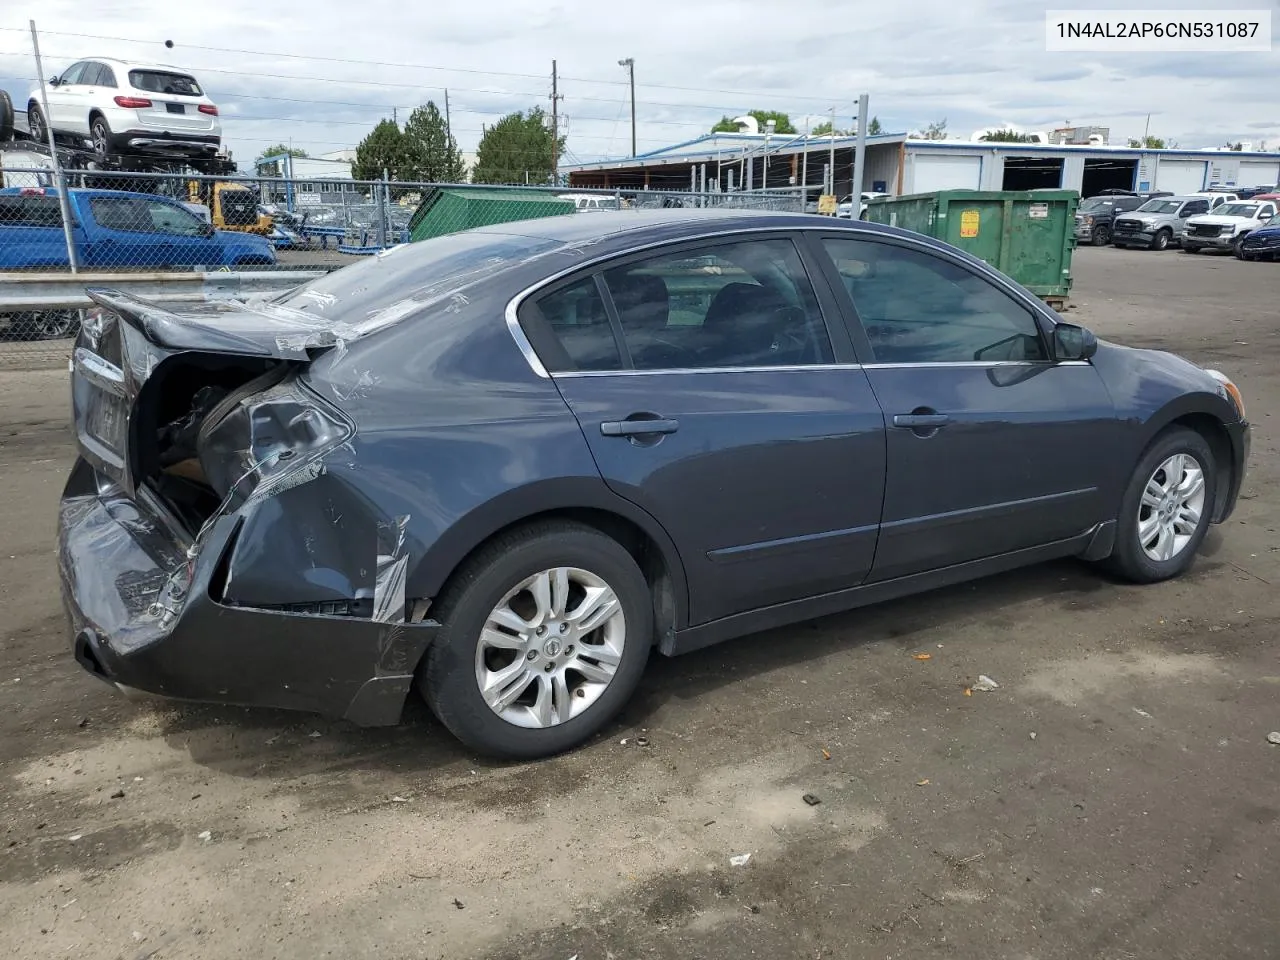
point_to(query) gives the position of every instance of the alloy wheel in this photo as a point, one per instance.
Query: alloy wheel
(550, 648)
(1171, 507)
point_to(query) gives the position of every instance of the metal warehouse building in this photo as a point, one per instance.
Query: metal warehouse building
(899, 165)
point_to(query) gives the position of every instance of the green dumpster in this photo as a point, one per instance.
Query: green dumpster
(450, 209)
(1028, 235)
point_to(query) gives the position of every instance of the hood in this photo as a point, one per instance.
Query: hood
(1213, 220)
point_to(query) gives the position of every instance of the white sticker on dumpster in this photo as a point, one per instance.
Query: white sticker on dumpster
(1038, 211)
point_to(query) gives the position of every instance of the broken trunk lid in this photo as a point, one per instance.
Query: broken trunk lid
(122, 345)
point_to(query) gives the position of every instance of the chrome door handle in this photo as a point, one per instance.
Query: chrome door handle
(916, 421)
(637, 428)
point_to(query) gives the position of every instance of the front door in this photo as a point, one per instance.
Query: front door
(992, 447)
(706, 383)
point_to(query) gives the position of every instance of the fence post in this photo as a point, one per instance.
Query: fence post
(64, 204)
(385, 211)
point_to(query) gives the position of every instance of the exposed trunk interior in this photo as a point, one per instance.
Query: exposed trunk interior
(182, 398)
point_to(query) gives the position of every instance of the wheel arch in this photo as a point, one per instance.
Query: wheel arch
(586, 502)
(1207, 415)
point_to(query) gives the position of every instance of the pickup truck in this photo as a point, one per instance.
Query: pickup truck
(115, 229)
(1227, 226)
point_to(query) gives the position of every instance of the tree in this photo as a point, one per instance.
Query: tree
(282, 149)
(383, 149)
(934, 131)
(1237, 146)
(1008, 135)
(517, 149)
(873, 128)
(824, 130)
(781, 122)
(431, 154)
(1147, 143)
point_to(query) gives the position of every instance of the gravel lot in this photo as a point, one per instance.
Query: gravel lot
(1115, 797)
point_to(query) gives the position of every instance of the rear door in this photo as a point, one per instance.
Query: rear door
(712, 393)
(991, 447)
(140, 231)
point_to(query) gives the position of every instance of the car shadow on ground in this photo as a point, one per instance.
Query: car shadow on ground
(282, 744)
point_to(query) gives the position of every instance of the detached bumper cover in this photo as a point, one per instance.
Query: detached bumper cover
(138, 600)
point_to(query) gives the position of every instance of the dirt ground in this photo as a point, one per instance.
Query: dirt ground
(1114, 798)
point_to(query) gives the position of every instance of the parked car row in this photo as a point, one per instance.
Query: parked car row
(1212, 220)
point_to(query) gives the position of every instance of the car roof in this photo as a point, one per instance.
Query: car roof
(133, 64)
(640, 225)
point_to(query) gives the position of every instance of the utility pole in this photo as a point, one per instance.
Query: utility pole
(448, 127)
(1146, 130)
(859, 159)
(395, 116)
(64, 205)
(630, 64)
(556, 97)
(804, 171)
(831, 163)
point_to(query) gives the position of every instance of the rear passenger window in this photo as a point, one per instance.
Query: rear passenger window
(576, 316)
(747, 304)
(30, 212)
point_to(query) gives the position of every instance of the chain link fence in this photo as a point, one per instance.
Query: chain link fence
(135, 228)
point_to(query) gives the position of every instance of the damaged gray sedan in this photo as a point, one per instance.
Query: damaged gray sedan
(502, 466)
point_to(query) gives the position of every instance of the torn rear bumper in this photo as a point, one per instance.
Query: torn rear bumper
(141, 603)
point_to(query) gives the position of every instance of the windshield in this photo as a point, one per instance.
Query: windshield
(1237, 210)
(1160, 206)
(1094, 204)
(1274, 221)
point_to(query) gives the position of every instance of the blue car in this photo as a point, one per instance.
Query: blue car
(503, 467)
(1263, 243)
(116, 229)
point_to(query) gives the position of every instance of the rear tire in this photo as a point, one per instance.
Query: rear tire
(100, 134)
(496, 632)
(1166, 509)
(6, 117)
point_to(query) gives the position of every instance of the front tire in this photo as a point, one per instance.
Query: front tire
(545, 635)
(1101, 236)
(36, 125)
(1161, 240)
(1166, 508)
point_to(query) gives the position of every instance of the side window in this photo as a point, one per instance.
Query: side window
(172, 219)
(30, 212)
(73, 75)
(1266, 212)
(919, 308)
(1128, 203)
(575, 315)
(136, 215)
(107, 77)
(1194, 208)
(92, 71)
(746, 304)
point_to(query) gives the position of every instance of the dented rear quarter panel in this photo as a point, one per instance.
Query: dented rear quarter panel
(454, 433)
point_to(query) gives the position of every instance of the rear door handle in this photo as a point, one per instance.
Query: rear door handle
(637, 428)
(914, 421)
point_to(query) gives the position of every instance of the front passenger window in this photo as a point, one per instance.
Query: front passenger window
(919, 308)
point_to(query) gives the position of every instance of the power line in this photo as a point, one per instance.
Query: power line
(423, 66)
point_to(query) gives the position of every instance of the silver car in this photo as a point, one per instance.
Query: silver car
(1158, 222)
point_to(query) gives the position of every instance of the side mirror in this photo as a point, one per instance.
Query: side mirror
(54, 81)
(1073, 342)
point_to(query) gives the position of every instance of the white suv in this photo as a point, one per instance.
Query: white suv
(129, 108)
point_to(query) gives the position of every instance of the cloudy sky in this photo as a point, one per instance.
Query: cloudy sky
(321, 74)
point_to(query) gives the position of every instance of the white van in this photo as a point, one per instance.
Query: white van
(590, 201)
